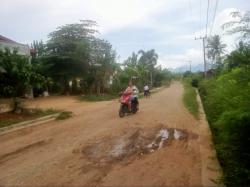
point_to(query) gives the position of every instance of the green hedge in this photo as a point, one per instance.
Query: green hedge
(226, 100)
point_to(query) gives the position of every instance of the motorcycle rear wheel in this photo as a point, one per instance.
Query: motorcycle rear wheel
(134, 108)
(122, 111)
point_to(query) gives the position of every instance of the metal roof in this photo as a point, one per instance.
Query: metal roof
(4, 39)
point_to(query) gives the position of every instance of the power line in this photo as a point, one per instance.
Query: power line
(204, 54)
(207, 16)
(191, 11)
(204, 38)
(200, 16)
(215, 11)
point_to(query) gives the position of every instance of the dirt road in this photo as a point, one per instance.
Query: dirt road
(160, 145)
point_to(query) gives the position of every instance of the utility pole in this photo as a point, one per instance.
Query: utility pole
(204, 54)
(190, 69)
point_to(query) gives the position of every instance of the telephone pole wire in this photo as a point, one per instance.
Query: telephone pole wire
(204, 54)
(207, 16)
(190, 65)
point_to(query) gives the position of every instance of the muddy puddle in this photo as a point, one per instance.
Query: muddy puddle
(132, 142)
(100, 155)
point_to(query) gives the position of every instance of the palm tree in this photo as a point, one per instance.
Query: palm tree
(240, 25)
(149, 58)
(215, 49)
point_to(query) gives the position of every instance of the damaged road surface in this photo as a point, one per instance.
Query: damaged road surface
(126, 147)
(132, 144)
(159, 146)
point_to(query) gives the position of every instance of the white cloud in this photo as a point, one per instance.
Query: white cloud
(178, 60)
(196, 55)
(169, 20)
(116, 14)
(110, 14)
(221, 18)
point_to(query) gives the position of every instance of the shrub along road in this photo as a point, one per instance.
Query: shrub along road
(160, 145)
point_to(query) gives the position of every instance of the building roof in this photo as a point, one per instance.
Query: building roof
(23, 49)
(4, 39)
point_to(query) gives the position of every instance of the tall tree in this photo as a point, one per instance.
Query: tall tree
(132, 61)
(102, 64)
(68, 48)
(215, 49)
(239, 57)
(240, 25)
(37, 49)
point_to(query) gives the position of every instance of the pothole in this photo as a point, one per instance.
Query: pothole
(133, 141)
(100, 155)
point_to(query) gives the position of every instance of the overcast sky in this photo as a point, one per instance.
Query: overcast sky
(168, 26)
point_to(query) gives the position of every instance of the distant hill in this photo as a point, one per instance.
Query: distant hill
(195, 68)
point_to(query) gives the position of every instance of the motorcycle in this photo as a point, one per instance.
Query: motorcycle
(124, 108)
(146, 93)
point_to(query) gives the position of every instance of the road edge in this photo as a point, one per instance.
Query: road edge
(29, 123)
(211, 171)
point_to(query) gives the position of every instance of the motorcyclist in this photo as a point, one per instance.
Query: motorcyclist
(129, 89)
(133, 91)
(146, 90)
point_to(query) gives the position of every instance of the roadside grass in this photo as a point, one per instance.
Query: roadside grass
(7, 122)
(94, 98)
(64, 115)
(41, 112)
(9, 118)
(189, 99)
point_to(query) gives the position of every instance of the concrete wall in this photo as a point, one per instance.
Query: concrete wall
(5, 105)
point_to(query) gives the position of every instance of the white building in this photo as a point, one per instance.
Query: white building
(8, 43)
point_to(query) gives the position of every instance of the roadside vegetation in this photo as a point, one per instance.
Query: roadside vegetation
(64, 115)
(189, 98)
(11, 118)
(225, 94)
(226, 99)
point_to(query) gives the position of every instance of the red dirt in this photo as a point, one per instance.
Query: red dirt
(96, 147)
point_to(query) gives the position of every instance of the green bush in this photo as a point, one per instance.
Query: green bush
(194, 83)
(64, 115)
(226, 100)
(233, 148)
(196, 78)
(19, 75)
